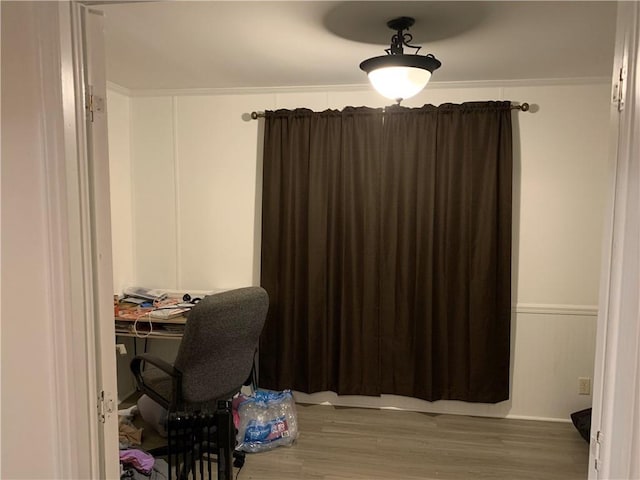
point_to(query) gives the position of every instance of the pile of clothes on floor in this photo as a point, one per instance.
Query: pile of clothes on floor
(136, 464)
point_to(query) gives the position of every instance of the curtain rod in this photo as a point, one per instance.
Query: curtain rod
(523, 107)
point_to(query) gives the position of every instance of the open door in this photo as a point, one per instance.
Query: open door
(96, 295)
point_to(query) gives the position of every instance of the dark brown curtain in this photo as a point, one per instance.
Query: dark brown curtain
(387, 250)
(446, 252)
(320, 244)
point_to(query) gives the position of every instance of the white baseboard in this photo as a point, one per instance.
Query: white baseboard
(442, 407)
(538, 419)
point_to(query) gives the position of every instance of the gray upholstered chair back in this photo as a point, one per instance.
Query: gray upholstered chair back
(217, 350)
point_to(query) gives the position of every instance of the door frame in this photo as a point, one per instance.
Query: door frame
(88, 370)
(615, 426)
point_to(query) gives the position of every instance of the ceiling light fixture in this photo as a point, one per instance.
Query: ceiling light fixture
(395, 75)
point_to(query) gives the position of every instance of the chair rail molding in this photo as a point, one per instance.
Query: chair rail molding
(556, 309)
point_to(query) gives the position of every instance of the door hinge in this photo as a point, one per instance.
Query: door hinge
(88, 103)
(105, 405)
(93, 103)
(596, 461)
(619, 88)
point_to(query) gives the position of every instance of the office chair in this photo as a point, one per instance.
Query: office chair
(215, 358)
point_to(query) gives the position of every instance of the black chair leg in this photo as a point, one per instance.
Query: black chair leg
(225, 440)
(238, 458)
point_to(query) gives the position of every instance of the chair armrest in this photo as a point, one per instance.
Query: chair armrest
(176, 380)
(166, 367)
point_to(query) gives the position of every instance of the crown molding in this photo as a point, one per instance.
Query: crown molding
(114, 87)
(525, 82)
(177, 92)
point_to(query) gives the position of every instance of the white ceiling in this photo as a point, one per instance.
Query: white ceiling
(237, 44)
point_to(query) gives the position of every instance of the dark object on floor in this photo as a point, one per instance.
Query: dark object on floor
(193, 436)
(582, 421)
(160, 471)
(214, 360)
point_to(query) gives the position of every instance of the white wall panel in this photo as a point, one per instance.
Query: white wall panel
(154, 193)
(217, 165)
(563, 186)
(118, 108)
(551, 352)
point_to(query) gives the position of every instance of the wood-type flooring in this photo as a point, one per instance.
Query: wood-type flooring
(353, 443)
(337, 443)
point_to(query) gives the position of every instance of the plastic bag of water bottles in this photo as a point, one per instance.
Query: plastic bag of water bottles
(267, 420)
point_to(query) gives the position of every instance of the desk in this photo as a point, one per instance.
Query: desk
(152, 327)
(170, 328)
(162, 329)
(134, 322)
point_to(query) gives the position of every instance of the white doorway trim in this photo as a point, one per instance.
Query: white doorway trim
(79, 222)
(615, 429)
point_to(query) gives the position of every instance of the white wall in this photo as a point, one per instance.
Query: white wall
(25, 256)
(47, 412)
(120, 177)
(196, 177)
(194, 182)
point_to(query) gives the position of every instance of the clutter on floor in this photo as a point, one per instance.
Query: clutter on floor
(128, 434)
(266, 420)
(135, 463)
(263, 421)
(159, 471)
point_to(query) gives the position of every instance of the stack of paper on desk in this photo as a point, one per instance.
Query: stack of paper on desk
(145, 293)
(133, 313)
(164, 313)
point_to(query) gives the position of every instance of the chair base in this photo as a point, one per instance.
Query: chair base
(192, 435)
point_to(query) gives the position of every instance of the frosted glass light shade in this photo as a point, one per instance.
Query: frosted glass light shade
(399, 82)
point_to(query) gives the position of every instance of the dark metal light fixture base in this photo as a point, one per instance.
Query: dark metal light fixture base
(411, 72)
(400, 23)
(395, 53)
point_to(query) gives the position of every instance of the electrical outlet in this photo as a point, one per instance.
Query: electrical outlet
(121, 348)
(584, 386)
